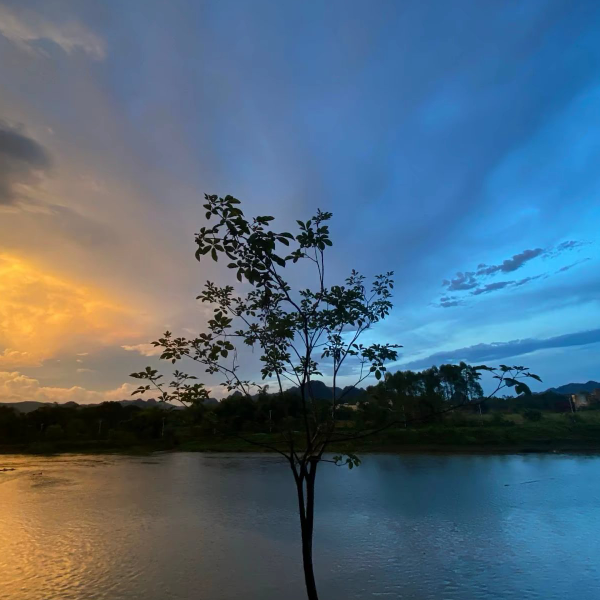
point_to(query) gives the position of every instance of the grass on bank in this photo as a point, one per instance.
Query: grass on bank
(488, 433)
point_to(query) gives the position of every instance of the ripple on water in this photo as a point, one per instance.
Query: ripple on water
(182, 526)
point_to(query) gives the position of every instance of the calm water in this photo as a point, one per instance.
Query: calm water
(192, 526)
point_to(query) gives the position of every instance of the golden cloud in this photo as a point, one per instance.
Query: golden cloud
(16, 387)
(144, 349)
(42, 313)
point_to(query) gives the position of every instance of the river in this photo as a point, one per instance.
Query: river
(215, 527)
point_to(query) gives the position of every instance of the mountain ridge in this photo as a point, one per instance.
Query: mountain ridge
(574, 388)
(27, 406)
(320, 390)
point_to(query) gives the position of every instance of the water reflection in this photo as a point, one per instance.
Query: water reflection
(198, 526)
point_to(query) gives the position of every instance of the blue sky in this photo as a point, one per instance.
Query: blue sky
(456, 143)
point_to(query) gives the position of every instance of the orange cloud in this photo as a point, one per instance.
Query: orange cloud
(144, 349)
(16, 387)
(42, 314)
(11, 358)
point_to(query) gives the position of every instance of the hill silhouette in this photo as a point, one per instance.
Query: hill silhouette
(28, 406)
(574, 388)
(348, 394)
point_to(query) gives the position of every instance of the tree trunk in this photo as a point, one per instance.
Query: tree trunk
(306, 505)
(309, 575)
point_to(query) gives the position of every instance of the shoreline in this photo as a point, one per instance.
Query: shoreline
(433, 449)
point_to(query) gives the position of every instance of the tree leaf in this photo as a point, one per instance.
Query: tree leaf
(522, 388)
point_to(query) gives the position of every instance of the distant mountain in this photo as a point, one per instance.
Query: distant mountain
(351, 392)
(574, 388)
(145, 403)
(318, 389)
(348, 395)
(26, 406)
(324, 392)
(30, 405)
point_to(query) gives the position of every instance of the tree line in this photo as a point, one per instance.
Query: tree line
(417, 397)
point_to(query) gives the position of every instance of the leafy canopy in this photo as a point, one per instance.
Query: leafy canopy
(298, 330)
(295, 330)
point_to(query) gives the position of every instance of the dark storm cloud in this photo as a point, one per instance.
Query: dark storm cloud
(22, 159)
(501, 350)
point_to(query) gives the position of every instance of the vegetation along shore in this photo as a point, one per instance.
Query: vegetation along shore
(553, 421)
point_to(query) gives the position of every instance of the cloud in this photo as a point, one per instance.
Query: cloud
(22, 161)
(144, 349)
(71, 224)
(500, 285)
(16, 387)
(528, 279)
(143, 139)
(42, 314)
(500, 350)
(511, 264)
(462, 281)
(447, 301)
(84, 370)
(568, 245)
(27, 29)
(10, 358)
(567, 267)
(491, 287)
(471, 280)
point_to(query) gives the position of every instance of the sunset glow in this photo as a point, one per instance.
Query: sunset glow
(42, 314)
(477, 186)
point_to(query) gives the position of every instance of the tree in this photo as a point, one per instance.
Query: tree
(296, 332)
(426, 393)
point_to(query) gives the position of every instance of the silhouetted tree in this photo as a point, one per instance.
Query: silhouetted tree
(294, 330)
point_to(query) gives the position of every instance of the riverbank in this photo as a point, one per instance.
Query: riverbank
(561, 434)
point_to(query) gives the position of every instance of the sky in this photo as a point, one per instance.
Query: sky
(456, 143)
